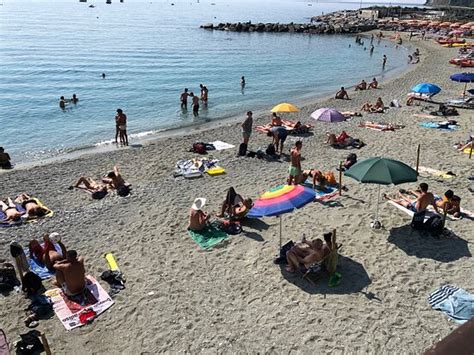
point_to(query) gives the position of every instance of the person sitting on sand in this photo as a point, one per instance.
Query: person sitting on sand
(342, 139)
(70, 274)
(235, 205)
(367, 106)
(10, 211)
(33, 209)
(451, 202)
(276, 120)
(115, 181)
(361, 86)
(198, 220)
(423, 199)
(279, 135)
(97, 190)
(374, 84)
(304, 254)
(342, 94)
(5, 159)
(46, 254)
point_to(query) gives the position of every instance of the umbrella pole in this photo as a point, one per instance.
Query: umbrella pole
(464, 92)
(377, 211)
(280, 233)
(418, 158)
(340, 178)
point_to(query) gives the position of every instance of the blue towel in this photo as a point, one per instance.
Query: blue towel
(436, 125)
(321, 194)
(39, 268)
(458, 304)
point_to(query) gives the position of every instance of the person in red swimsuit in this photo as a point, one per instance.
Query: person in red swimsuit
(46, 253)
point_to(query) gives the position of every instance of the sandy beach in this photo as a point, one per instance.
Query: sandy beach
(232, 298)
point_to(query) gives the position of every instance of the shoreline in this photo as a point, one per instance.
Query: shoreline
(157, 135)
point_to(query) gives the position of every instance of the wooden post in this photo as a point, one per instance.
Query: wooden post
(47, 349)
(472, 147)
(418, 158)
(340, 178)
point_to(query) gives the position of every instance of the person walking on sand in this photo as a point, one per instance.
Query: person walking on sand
(195, 104)
(247, 127)
(295, 163)
(184, 99)
(121, 127)
(384, 61)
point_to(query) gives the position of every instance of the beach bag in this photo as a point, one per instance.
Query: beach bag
(8, 278)
(232, 228)
(199, 148)
(29, 343)
(434, 225)
(242, 149)
(31, 283)
(270, 150)
(418, 220)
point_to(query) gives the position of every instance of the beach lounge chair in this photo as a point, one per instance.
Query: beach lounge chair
(329, 263)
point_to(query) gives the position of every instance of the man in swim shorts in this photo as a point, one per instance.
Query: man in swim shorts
(295, 163)
(195, 104)
(342, 94)
(70, 274)
(423, 199)
(184, 99)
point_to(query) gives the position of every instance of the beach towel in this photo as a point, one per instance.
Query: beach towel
(72, 311)
(219, 145)
(288, 125)
(25, 219)
(425, 171)
(438, 126)
(208, 237)
(456, 303)
(328, 192)
(382, 127)
(3, 218)
(429, 212)
(39, 268)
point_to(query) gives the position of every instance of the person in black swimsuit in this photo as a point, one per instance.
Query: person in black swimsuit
(31, 206)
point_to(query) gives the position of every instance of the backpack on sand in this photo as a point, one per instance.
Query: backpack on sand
(270, 150)
(434, 225)
(242, 149)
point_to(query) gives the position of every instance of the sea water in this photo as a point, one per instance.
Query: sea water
(150, 51)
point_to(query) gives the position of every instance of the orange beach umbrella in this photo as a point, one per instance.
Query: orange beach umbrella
(285, 107)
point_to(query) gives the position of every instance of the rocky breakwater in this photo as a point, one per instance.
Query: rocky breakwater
(338, 22)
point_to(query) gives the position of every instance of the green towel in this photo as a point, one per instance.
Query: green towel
(208, 237)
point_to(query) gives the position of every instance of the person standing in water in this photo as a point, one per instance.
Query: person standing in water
(384, 61)
(62, 103)
(195, 104)
(103, 75)
(184, 99)
(204, 94)
(242, 82)
(74, 99)
(121, 127)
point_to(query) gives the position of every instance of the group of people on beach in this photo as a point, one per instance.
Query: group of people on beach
(195, 99)
(31, 208)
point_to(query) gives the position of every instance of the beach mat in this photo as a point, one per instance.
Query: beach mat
(425, 171)
(220, 145)
(68, 310)
(324, 194)
(208, 237)
(436, 125)
(38, 268)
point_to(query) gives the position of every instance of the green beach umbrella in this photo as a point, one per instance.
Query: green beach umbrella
(381, 171)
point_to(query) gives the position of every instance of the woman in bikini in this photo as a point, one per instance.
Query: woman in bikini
(31, 206)
(11, 213)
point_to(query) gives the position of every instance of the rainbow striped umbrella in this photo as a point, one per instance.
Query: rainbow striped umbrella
(280, 200)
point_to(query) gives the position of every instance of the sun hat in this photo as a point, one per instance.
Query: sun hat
(198, 203)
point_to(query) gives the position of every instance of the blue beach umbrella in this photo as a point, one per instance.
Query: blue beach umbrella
(463, 78)
(426, 88)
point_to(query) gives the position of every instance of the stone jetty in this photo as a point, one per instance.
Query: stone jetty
(336, 22)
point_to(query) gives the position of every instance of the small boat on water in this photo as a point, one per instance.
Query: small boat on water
(82, 0)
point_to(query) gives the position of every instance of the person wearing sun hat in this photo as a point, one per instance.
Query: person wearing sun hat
(197, 218)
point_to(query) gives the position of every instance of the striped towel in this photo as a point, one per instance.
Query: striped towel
(441, 295)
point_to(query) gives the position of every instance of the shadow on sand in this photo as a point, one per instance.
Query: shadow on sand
(422, 245)
(354, 279)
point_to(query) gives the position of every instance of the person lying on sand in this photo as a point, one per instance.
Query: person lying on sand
(342, 94)
(318, 178)
(469, 144)
(198, 220)
(11, 213)
(115, 181)
(31, 206)
(47, 253)
(97, 190)
(423, 199)
(305, 254)
(276, 120)
(451, 202)
(374, 84)
(235, 205)
(361, 86)
(70, 274)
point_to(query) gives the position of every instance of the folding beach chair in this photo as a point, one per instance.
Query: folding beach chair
(329, 262)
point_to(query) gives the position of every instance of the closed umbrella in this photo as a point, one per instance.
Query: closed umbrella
(285, 107)
(463, 78)
(381, 171)
(328, 115)
(426, 88)
(280, 200)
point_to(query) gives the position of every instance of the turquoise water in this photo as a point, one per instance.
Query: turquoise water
(150, 51)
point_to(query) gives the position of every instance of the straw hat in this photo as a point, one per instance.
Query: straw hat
(198, 203)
